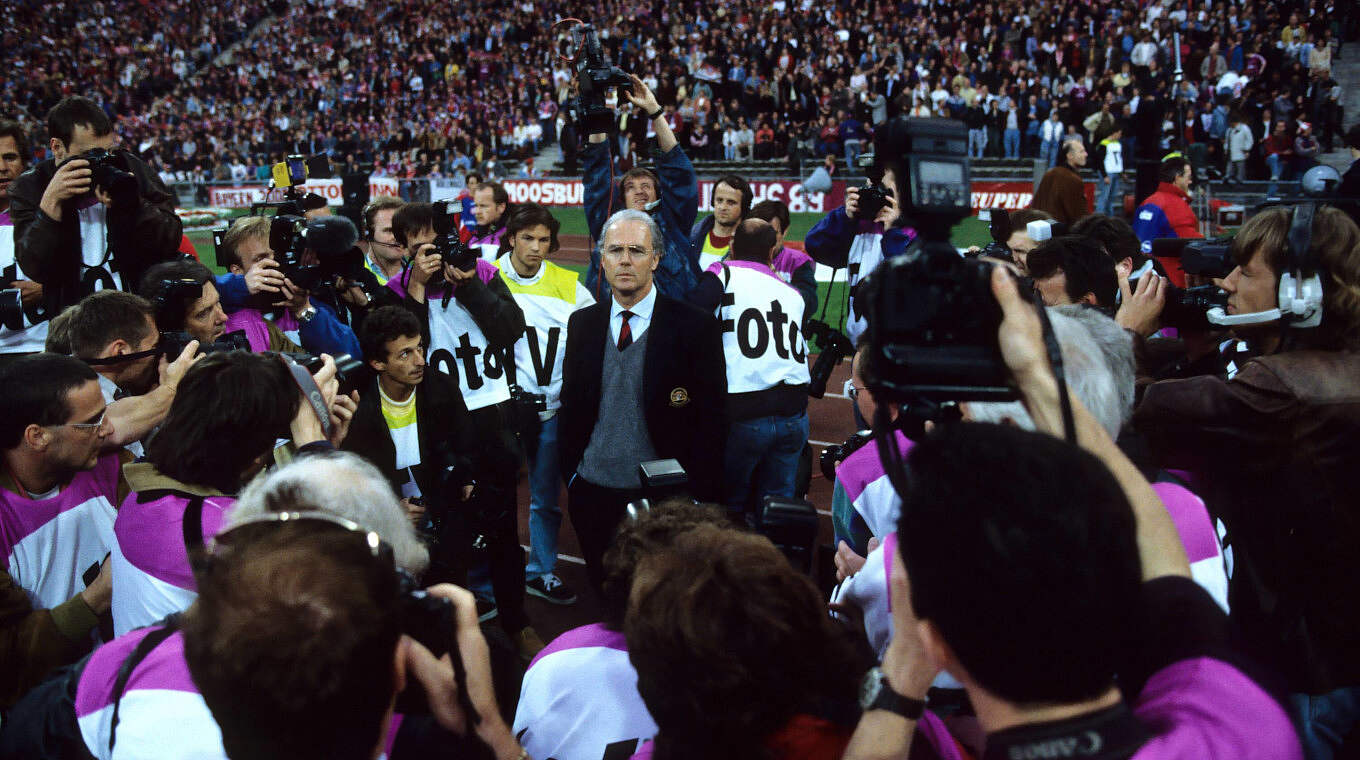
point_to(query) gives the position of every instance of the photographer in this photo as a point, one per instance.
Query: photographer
(489, 204)
(413, 426)
(588, 667)
(1073, 269)
(87, 220)
(246, 251)
(469, 326)
(1040, 625)
(765, 355)
(22, 330)
(56, 515)
(670, 194)
(162, 708)
(548, 295)
(1274, 448)
(221, 430)
(843, 239)
(115, 333)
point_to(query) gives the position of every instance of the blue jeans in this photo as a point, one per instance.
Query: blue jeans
(1324, 720)
(763, 454)
(1049, 152)
(977, 142)
(1109, 197)
(852, 152)
(1278, 171)
(545, 518)
(1011, 141)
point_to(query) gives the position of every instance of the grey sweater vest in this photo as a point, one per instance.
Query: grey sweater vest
(619, 442)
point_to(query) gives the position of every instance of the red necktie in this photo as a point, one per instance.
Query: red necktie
(625, 332)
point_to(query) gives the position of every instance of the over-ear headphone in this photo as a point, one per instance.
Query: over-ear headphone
(1300, 290)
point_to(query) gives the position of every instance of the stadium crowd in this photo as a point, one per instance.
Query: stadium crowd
(436, 91)
(273, 512)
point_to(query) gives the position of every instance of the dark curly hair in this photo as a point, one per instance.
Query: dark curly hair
(229, 409)
(730, 642)
(640, 538)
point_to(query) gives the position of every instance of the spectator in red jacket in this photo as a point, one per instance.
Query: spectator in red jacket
(1167, 213)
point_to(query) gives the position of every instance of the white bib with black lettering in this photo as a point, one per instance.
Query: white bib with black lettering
(548, 300)
(762, 318)
(866, 253)
(21, 335)
(458, 349)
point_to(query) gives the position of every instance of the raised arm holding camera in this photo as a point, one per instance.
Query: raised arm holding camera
(670, 194)
(92, 217)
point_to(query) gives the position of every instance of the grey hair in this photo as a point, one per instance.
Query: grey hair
(633, 215)
(343, 484)
(1098, 366)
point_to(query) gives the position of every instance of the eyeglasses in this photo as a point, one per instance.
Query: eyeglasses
(853, 393)
(631, 251)
(90, 425)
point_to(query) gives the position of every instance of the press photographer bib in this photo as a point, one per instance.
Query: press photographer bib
(459, 349)
(866, 253)
(27, 333)
(96, 272)
(547, 301)
(762, 319)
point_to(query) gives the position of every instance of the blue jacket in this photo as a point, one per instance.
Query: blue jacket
(325, 334)
(678, 272)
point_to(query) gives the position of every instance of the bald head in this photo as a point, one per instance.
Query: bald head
(754, 240)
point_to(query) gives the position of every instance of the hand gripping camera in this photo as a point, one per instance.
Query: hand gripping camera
(111, 172)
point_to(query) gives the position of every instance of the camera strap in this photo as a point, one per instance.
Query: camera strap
(1056, 360)
(122, 358)
(310, 391)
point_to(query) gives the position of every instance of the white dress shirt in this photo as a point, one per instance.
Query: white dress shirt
(641, 319)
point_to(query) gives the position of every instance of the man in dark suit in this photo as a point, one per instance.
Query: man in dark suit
(643, 379)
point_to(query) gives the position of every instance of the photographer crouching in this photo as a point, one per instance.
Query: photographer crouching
(92, 217)
(1275, 448)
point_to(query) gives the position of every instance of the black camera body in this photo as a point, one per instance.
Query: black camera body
(348, 370)
(833, 455)
(430, 620)
(1189, 307)
(171, 302)
(287, 241)
(1000, 228)
(331, 239)
(934, 333)
(111, 172)
(1206, 257)
(173, 342)
(447, 244)
(933, 319)
(594, 77)
(834, 346)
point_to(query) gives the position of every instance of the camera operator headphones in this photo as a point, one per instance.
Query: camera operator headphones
(1300, 291)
